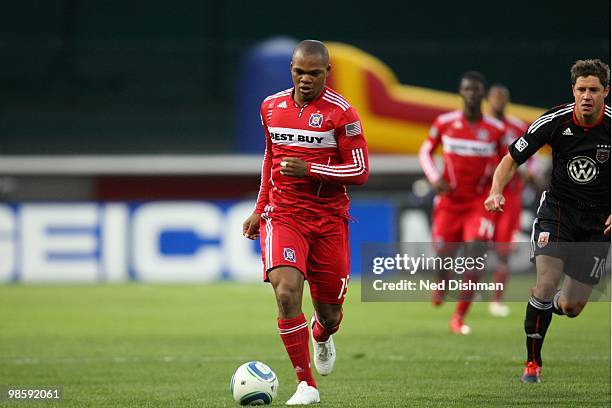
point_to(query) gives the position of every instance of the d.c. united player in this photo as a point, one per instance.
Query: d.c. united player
(471, 148)
(314, 147)
(575, 208)
(508, 222)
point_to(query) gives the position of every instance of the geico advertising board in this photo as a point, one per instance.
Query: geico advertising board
(159, 241)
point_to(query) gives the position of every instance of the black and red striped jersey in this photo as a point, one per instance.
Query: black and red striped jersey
(328, 135)
(580, 154)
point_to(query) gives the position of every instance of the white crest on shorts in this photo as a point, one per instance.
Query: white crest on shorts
(543, 239)
(289, 254)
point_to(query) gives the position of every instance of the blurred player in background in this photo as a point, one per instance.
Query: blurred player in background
(575, 208)
(314, 147)
(508, 222)
(471, 147)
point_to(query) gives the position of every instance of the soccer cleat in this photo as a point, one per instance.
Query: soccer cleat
(305, 395)
(498, 309)
(457, 326)
(324, 353)
(532, 373)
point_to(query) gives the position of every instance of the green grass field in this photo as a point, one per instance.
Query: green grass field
(137, 345)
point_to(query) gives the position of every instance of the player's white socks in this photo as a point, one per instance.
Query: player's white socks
(304, 395)
(498, 309)
(324, 353)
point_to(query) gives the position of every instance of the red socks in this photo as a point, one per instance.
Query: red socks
(465, 296)
(320, 333)
(294, 333)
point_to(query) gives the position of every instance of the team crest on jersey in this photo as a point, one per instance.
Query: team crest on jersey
(316, 120)
(289, 254)
(543, 239)
(457, 124)
(482, 135)
(603, 153)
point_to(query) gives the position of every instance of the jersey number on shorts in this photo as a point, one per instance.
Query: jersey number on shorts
(344, 287)
(486, 229)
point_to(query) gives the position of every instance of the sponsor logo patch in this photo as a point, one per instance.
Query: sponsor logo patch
(582, 169)
(543, 239)
(282, 105)
(521, 144)
(289, 254)
(316, 120)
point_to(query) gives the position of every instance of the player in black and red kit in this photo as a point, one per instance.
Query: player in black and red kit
(576, 207)
(314, 147)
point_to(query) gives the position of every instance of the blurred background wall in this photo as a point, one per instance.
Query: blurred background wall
(81, 76)
(119, 156)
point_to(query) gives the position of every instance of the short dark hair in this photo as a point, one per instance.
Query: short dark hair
(311, 47)
(595, 67)
(474, 75)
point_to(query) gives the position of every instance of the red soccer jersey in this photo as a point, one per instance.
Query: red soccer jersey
(470, 151)
(515, 128)
(327, 134)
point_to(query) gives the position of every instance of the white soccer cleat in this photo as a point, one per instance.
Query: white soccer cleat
(457, 326)
(324, 353)
(305, 395)
(499, 309)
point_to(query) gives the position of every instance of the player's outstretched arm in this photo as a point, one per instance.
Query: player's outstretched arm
(250, 227)
(503, 174)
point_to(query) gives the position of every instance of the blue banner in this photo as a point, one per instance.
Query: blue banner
(157, 241)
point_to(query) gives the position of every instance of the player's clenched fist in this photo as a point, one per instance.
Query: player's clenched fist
(495, 202)
(250, 227)
(293, 167)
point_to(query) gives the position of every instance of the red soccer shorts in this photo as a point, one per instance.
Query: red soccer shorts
(461, 222)
(316, 246)
(508, 222)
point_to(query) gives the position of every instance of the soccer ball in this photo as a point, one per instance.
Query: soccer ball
(254, 383)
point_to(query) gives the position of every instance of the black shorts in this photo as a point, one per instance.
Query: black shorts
(573, 234)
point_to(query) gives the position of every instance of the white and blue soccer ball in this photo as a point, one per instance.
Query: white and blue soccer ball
(254, 383)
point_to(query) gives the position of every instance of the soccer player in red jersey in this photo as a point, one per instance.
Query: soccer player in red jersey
(471, 147)
(314, 148)
(508, 222)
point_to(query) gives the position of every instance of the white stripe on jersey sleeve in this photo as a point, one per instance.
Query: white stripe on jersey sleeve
(278, 94)
(337, 97)
(355, 169)
(547, 118)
